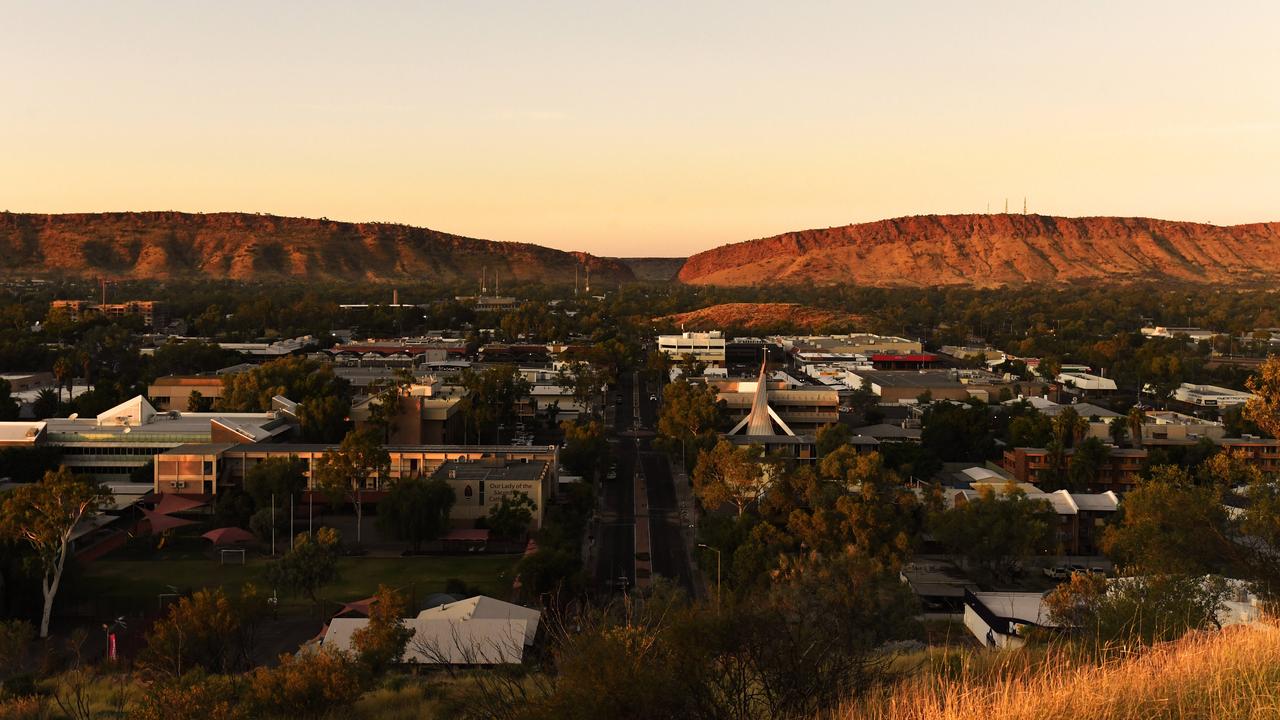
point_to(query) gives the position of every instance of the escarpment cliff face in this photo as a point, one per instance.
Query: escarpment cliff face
(993, 250)
(244, 246)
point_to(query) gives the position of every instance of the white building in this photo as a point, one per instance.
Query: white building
(707, 347)
(1087, 382)
(476, 631)
(1210, 395)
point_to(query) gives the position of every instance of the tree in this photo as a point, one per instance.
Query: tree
(1031, 429)
(492, 395)
(8, 406)
(63, 374)
(1145, 608)
(324, 399)
(511, 517)
(309, 566)
(44, 515)
(729, 474)
(957, 432)
(381, 642)
(586, 449)
(384, 406)
(345, 472)
(1171, 526)
(994, 532)
(1264, 407)
(276, 476)
(416, 510)
(1069, 428)
(47, 404)
(1135, 419)
(689, 418)
(206, 630)
(831, 437)
(197, 402)
(1088, 458)
(194, 696)
(307, 686)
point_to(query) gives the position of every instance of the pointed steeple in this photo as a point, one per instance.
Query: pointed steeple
(758, 422)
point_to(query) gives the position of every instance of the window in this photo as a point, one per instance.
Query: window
(466, 492)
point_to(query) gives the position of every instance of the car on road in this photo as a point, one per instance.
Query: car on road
(653, 398)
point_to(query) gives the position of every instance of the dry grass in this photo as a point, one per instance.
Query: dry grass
(1230, 674)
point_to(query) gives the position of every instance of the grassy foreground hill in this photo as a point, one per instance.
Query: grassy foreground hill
(1232, 674)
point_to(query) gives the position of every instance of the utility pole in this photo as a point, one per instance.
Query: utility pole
(717, 552)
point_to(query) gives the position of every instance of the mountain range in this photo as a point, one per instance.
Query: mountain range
(925, 250)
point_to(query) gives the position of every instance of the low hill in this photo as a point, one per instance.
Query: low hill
(245, 246)
(994, 250)
(763, 316)
(1232, 674)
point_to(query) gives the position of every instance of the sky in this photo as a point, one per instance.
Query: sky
(641, 128)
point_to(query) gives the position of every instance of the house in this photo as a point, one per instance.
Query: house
(1081, 517)
(477, 631)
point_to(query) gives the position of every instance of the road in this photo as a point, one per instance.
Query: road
(617, 529)
(616, 557)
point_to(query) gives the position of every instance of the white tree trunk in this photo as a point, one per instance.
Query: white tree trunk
(50, 588)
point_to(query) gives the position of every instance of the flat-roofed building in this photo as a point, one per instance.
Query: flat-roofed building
(173, 392)
(707, 347)
(429, 413)
(480, 475)
(1210, 396)
(1086, 382)
(122, 441)
(896, 386)
(151, 311)
(1120, 472)
(851, 344)
(21, 433)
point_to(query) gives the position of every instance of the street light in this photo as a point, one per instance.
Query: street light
(717, 552)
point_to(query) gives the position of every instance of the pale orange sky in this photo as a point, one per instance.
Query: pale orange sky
(641, 128)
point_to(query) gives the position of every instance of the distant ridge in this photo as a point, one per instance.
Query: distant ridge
(994, 250)
(244, 246)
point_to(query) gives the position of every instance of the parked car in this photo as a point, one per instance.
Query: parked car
(1058, 572)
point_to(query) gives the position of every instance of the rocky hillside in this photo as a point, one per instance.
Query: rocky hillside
(243, 247)
(763, 316)
(991, 250)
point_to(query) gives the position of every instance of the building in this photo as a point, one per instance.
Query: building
(173, 392)
(1086, 383)
(1210, 396)
(22, 434)
(763, 426)
(853, 344)
(1191, 333)
(151, 311)
(409, 352)
(1263, 453)
(706, 347)
(1081, 517)
(121, 442)
(1169, 427)
(897, 386)
(480, 475)
(429, 413)
(1120, 472)
(476, 631)
(802, 409)
(1001, 620)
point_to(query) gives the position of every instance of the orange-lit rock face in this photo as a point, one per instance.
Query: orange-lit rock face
(763, 316)
(242, 246)
(991, 250)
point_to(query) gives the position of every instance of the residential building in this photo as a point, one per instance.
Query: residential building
(1081, 516)
(1120, 472)
(152, 312)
